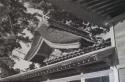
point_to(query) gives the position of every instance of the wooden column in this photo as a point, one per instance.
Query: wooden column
(82, 77)
(114, 76)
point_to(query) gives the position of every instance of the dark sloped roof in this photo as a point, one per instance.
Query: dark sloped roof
(57, 36)
(42, 49)
(96, 56)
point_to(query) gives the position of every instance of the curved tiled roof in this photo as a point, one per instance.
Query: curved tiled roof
(85, 59)
(39, 44)
(57, 36)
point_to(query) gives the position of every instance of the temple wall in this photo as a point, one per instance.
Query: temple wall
(119, 30)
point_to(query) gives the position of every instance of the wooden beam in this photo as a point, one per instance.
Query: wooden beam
(86, 1)
(79, 11)
(115, 20)
(104, 11)
(89, 3)
(93, 3)
(110, 9)
(99, 4)
(113, 11)
(107, 5)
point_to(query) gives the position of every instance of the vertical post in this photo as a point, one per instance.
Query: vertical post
(82, 77)
(46, 80)
(111, 76)
(112, 36)
(115, 73)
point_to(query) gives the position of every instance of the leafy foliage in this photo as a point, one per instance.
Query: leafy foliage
(13, 20)
(32, 66)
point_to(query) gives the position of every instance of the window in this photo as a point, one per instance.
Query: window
(76, 81)
(98, 79)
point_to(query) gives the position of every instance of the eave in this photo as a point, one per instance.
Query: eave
(83, 60)
(96, 12)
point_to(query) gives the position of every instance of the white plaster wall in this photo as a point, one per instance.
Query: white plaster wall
(119, 30)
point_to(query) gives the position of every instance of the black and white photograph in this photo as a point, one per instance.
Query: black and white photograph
(62, 40)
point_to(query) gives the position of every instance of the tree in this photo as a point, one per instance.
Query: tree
(31, 66)
(6, 65)
(13, 20)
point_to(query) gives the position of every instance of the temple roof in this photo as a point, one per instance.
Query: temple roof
(57, 36)
(82, 60)
(94, 11)
(44, 42)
